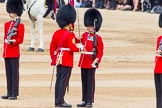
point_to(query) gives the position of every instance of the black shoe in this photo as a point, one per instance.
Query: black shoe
(40, 50)
(12, 97)
(81, 104)
(53, 16)
(63, 105)
(4, 97)
(30, 49)
(88, 104)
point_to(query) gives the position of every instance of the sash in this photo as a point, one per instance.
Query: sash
(56, 52)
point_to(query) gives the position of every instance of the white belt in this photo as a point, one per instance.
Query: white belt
(87, 52)
(65, 49)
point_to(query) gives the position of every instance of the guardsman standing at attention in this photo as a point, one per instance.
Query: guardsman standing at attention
(91, 56)
(62, 48)
(158, 68)
(13, 36)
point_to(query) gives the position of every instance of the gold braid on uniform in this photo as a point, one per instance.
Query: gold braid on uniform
(91, 33)
(71, 28)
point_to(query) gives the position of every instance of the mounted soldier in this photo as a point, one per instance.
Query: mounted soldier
(50, 5)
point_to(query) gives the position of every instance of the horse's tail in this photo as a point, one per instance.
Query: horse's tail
(30, 16)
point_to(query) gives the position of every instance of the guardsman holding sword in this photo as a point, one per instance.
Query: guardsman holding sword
(91, 56)
(13, 37)
(62, 48)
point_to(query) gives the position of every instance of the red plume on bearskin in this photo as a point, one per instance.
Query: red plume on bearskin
(15, 6)
(92, 15)
(65, 15)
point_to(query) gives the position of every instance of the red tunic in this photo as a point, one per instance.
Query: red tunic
(68, 43)
(85, 59)
(158, 60)
(13, 50)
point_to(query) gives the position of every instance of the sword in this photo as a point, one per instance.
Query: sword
(54, 67)
(79, 25)
(52, 76)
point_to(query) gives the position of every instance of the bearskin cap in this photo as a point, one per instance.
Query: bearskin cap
(93, 16)
(65, 15)
(15, 6)
(160, 20)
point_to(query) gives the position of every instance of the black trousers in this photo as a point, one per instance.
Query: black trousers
(129, 2)
(12, 76)
(113, 4)
(50, 4)
(88, 84)
(99, 3)
(155, 2)
(158, 87)
(62, 81)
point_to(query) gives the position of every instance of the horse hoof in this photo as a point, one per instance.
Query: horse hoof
(40, 50)
(30, 49)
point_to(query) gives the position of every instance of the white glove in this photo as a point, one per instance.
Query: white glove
(10, 41)
(95, 63)
(80, 46)
(6, 41)
(159, 53)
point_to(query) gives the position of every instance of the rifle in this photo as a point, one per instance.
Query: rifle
(160, 45)
(94, 50)
(13, 31)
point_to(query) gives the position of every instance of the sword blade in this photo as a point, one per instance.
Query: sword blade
(52, 76)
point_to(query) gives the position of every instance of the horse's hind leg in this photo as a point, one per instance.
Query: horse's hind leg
(32, 29)
(40, 31)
